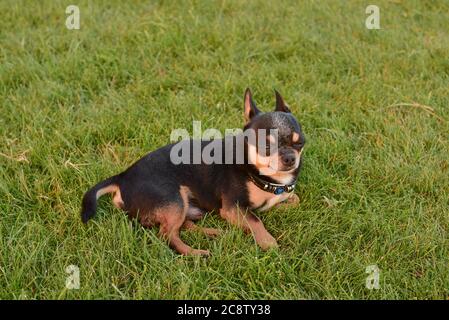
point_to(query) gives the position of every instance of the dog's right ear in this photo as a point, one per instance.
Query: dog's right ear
(280, 103)
(250, 107)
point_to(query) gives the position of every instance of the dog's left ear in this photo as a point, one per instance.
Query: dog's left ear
(280, 103)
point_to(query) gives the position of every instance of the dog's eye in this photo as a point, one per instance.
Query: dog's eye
(298, 145)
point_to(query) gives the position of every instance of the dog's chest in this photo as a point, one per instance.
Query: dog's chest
(262, 200)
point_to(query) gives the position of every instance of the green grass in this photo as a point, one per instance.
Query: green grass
(80, 105)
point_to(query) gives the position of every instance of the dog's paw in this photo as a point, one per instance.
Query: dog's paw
(291, 201)
(268, 242)
(198, 252)
(211, 232)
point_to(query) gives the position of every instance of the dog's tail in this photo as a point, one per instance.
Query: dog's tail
(89, 204)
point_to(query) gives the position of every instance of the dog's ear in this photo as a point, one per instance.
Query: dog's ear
(250, 107)
(280, 103)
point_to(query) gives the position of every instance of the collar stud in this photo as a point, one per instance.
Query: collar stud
(279, 190)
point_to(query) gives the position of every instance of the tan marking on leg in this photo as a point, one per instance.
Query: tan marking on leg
(117, 199)
(170, 219)
(185, 194)
(190, 225)
(249, 223)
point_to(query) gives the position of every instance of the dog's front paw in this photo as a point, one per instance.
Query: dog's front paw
(267, 242)
(291, 201)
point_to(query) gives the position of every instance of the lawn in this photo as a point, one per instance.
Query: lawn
(78, 106)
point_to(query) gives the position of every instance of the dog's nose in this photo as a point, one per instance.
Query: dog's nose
(288, 159)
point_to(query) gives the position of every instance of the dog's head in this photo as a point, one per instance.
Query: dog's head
(279, 140)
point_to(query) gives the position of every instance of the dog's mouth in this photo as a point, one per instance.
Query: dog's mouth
(288, 170)
(270, 170)
(273, 164)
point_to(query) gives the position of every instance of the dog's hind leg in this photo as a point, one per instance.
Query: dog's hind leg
(190, 225)
(170, 219)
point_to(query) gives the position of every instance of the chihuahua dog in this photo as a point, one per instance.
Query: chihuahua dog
(157, 191)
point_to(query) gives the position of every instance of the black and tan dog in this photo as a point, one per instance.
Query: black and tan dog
(158, 192)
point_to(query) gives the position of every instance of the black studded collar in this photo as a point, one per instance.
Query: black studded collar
(271, 187)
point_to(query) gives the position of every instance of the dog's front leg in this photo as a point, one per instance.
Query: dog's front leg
(290, 202)
(250, 224)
